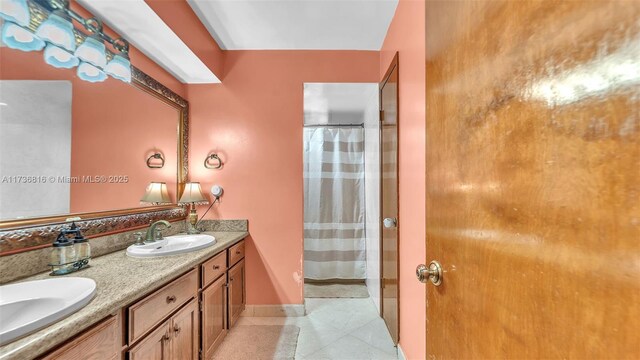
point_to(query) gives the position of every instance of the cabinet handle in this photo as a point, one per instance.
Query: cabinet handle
(231, 279)
(176, 329)
(165, 337)
(171, 299)
(238, 252)
(216, 267)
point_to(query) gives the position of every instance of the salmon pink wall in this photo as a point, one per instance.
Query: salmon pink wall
(407, 36)
(253, 120)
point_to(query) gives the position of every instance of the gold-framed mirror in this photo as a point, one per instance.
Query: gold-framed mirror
(17, 235)
(95, 144)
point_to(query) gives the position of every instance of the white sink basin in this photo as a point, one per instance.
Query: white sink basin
(29, 306)
(172, 245)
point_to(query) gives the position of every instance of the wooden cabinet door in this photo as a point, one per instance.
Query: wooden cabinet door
(103, 341)
(184, 333)
(154, 346)
(236, 292)
(214, 316)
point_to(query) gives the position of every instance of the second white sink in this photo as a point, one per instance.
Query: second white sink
(31, 305)
(172, 245)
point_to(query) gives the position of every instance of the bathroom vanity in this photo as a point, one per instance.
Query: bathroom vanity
(174, 307)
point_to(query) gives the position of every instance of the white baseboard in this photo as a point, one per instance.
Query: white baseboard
(285, 310)
(401, 354)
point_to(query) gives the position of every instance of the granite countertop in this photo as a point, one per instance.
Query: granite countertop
(120, 280)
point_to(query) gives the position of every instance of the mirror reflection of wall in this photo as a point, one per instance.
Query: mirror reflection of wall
(111, 129)
(34, 140)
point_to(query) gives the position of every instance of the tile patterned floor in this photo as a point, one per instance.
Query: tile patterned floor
(337, 329)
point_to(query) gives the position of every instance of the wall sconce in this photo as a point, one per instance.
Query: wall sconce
(156, 194)
(60, 39)
(152, 165)
(212, 157)
(192, 195)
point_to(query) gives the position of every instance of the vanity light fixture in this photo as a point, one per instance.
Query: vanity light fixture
(119, 66)
(16, 11)
(92, 50)
(52, 27)
(192, 195)
(156, 194)
(58, 30)
(17, 37)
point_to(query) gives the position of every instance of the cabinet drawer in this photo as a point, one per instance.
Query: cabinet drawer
(213, 268)
(236, 253)
(100, 342)
(150, 311)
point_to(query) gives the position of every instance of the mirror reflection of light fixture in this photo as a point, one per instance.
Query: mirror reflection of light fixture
(16, 11)
(156, 194)
(59, 57)
(17, 37)
(88, 72)
(192, 195)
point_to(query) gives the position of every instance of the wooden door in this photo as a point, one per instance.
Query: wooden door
(154, 346)
(533, 179)
(236, 292)
(214, 316)
(185, 335)
(389, 198)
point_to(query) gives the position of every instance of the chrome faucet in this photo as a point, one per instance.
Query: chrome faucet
(151, 231)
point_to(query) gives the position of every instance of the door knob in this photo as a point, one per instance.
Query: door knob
(433, 273)
(390, 223)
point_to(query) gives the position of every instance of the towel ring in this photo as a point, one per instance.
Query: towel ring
(212, 157)
(155, 166)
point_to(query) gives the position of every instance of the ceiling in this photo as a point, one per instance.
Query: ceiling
(338, 103)
(138, 23)
(248, 25)
(296, 24)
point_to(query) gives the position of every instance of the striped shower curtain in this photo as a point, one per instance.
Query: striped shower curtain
(334, 237)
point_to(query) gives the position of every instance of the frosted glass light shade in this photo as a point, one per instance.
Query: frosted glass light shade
(192, 194)
(120, 68)
(57, 30)
(17, 37)
(88, 72)
(92, 51)
(16, 11)
(156, 194)
(60, 58)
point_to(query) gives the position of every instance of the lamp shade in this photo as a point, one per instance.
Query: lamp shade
(192, 194)
(92, 51)
(58, 30)
(156, 194)
(60, 58)
(16, 11)
(120, 68)
(88, 72)
(17, 37)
